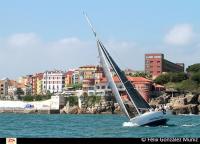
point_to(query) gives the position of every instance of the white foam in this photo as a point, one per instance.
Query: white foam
(130, 124)
(187, 114)
(187, 125)
(164, 126)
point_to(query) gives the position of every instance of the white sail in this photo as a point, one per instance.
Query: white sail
(108, 74)
(135, 99)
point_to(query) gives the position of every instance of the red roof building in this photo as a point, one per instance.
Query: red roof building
(143, 85)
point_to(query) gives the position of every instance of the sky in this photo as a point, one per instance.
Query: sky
(44, 35)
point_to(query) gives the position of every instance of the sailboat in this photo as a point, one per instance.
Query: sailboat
(137, 110)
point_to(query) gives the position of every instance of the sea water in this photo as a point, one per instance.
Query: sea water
(84, 126)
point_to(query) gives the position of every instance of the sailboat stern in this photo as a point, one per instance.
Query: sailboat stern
(151, 118)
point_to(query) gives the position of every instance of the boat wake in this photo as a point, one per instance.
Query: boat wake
(190, 125)
(188, 114)
(130, 124)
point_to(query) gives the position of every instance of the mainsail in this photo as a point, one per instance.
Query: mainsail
(136, 98)
(112, 84)
(136, 102)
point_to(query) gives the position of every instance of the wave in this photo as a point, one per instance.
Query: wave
(164, 126)
(188, 125)
(188, 114)
(130, 124)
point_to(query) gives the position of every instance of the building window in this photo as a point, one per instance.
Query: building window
(158, 71)
(151, 61)
(157, 56)
(1, 85)
(120, 86)
(103, 87)
(158, 61)
(149, 56)
(1, 88)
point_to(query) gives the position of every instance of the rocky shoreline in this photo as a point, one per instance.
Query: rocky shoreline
(180, 104)
(105, 109)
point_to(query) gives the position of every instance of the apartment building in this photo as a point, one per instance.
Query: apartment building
(53, 81)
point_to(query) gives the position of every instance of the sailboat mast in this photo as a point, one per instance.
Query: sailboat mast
(111, 80)
(108, 57)
(107, 69)
(90, 24)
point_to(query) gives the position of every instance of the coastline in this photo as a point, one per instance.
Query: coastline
(188, 104)
(179, 104)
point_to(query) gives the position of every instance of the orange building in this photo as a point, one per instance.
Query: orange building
(35, 83)
(69, 78)
(143, 85)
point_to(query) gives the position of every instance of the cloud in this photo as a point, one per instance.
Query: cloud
(128, 54)
(180, 35)
(26, 53)
(22, 39)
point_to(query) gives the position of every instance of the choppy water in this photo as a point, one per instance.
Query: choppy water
(81, 126)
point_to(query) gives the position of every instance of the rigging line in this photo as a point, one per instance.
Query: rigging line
(112, 65)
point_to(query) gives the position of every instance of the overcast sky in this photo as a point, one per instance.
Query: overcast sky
(39, 35)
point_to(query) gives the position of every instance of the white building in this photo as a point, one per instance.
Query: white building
(76, 77)
(53, 81)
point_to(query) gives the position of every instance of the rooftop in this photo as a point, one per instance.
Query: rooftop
(132, 79)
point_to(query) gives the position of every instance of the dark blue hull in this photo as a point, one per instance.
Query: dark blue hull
(157, 123)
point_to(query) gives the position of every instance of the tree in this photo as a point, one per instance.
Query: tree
(162, 79)
(38, 98)
(77, 86)
(19, 92)
(28, 98)
(177, 77)
(196, 77)
(194, 68)
(188, 85)
(73, 100)
(141, 74)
